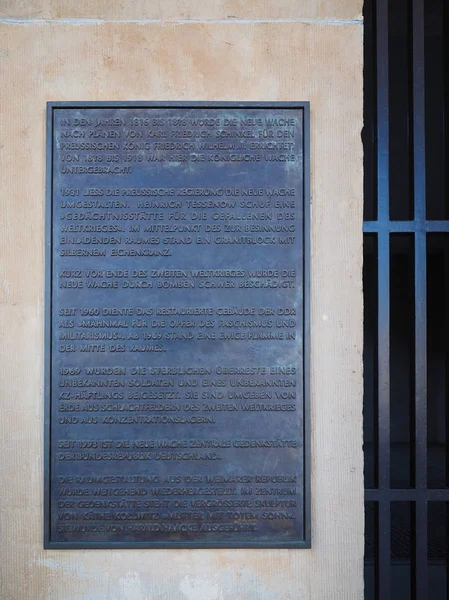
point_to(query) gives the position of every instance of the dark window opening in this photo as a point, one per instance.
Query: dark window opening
(406, 299)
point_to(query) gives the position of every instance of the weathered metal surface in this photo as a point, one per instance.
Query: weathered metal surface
(177, 325)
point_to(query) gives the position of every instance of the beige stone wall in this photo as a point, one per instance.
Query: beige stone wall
(185, 50)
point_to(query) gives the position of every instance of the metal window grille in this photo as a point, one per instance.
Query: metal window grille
(406, 290)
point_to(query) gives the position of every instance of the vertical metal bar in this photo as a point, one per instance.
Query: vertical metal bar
(419, 132)
(421, 583)
(382, 70)
(420, 361)
(383, 587)
(383, 242)
(446, 535)
(375, 589)
(383, 360)
(383, 246)
(446, 102)
(419, 163)
(369, 112)
(445, 286)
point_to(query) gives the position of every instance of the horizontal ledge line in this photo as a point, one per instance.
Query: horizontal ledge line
(52, 545)
(406, 226)
(393, 495)
(51, 21)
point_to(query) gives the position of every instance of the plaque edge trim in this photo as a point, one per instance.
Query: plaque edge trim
(307, 331)
(54, 104)
(47, 322)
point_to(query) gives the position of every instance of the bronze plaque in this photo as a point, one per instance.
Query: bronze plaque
(177, 325)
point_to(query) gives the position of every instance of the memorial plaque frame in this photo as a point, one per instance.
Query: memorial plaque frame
(305, 541)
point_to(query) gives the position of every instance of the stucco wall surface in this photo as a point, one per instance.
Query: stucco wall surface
(277, 57)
